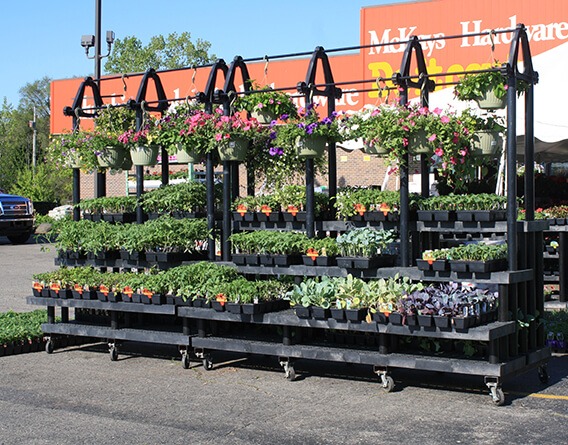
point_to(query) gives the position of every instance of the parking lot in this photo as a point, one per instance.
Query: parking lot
(77, 395)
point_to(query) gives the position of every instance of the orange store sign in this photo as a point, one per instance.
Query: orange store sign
(384, 31)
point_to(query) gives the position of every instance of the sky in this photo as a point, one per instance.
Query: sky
(43, 38)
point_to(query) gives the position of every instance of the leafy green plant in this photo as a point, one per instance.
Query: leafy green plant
(269, 242)
(266, 100)
(24, 326)
(186, 196)
(365, 242)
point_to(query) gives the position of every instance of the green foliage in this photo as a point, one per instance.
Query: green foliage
(166, 234)
(174, 51)
(266, 100)
(365, 242)
(269, 242)
(474, 86)
(481, 201)
(109, 204)
(186, 196)
(555, 323)
(23, 326)
(16, 134)
(45, 183)
(348, 198)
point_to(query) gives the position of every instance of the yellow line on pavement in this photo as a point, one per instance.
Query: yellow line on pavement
(540, 396)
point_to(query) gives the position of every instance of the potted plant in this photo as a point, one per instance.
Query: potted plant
(365, 248)
(142, 143)
(321, 252)
(232, 135)
(308, 133)
(488, 88)
(110, 123)
(73, 149)
(266, 104)
(175, 135)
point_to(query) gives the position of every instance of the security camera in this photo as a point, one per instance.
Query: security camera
(87, 41)
(110, 37)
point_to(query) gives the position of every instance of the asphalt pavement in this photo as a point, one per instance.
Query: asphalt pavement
(77, 395)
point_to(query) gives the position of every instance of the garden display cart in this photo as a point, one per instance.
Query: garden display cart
(511, 343)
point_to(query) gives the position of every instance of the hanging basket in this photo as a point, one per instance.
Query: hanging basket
(311, 146)
(185, 155)
(489, 101)
(74, 160)
(418, 143)
(127, 163)
(112, 157)
(375, 149)
(235, 149)
(145, 154)
(264, 117)
(487, 142)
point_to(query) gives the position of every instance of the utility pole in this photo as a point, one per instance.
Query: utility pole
(32, 125)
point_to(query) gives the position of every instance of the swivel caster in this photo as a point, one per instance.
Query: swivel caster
(113, 351)
(49, 346)
(387, 382)
(185, 360)
(207, 362)
(543, 374)
(289, 371)
(495, 391)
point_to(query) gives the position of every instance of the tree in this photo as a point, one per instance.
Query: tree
(16, 132)
(175, 51)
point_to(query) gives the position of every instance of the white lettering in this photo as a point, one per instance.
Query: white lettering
(386, 42)
(538, 32)
(563, 26)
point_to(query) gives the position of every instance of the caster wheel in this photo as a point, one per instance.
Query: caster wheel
(499, 398)
(49, 347)
(185, 361)
(290, 373)
(113, 354)
(543, 374)
(388, 384)
(207, 364)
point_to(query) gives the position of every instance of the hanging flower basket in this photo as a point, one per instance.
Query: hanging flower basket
(112, 157)
(186, 155)
(375, 149)
(127, 163)
(235, 149)
(264, 117)
(311, 146)
(418, 143)
(487, 143)
(74, 160)
(489, 101)
(145, 154)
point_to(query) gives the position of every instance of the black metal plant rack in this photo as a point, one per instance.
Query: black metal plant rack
(511, 351)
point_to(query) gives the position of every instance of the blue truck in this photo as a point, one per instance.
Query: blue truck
(16, 218)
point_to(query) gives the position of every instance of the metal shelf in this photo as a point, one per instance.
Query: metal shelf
(373, 357)
(166, 309)
(144, 335)
(487, 332)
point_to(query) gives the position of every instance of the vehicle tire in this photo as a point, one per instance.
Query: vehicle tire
(22, 238)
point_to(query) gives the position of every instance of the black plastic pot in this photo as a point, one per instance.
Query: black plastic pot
(302, 312)
(356, 314)
(319, 313)
(338, 314)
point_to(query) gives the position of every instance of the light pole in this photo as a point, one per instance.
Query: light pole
(87, 42)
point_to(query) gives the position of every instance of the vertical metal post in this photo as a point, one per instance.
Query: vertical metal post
(512, 170)
(404, 214)
(76, 194)
(563, 265)
(210, 185)
(139, 176)
(165, 166)
(100, 176)
(331, 154)
(225, 244)
(310, 198)
(529, 154)
(424, 176)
